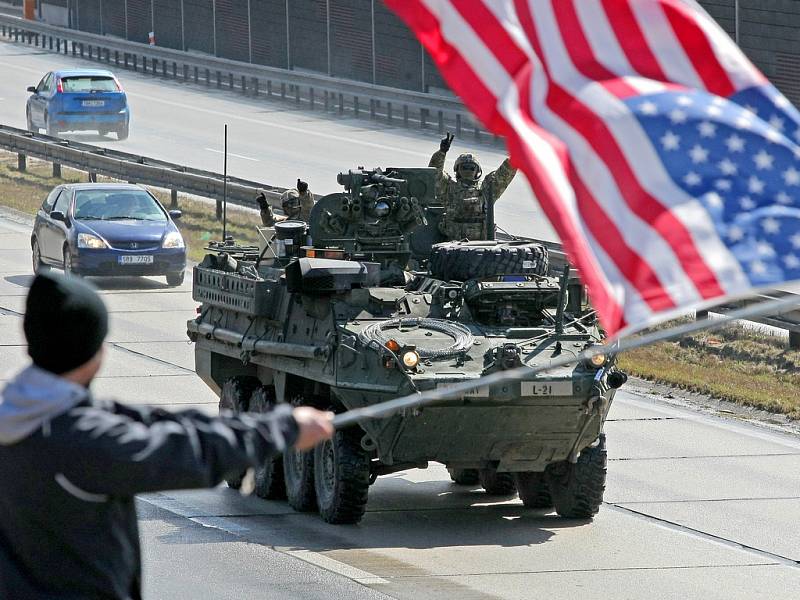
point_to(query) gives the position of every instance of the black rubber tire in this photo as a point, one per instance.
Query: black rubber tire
(464, 476)
(52, 130)
(68, 266)
(175, 279)
(497, 484)
(36, 258)
(235, 397)
(268, 475)
(460, 261)
(123, 132)
(341, 477)
(533, 490)
(577, 490)
(298, 476)
(29, 122)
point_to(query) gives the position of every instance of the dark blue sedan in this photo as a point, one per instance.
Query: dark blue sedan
(86, 99)
(108, 229)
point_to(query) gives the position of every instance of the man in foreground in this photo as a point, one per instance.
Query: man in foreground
(296, 203)
(70, 464)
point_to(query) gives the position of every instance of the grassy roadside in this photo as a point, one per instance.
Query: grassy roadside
(735, 364)
(26, 191)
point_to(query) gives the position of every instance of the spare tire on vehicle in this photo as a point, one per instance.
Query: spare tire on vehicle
(460, 261)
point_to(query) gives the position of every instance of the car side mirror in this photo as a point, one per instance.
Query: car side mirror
(32, 89)
(57, 215)
(175, 214)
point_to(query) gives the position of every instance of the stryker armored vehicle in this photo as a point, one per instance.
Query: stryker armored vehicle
(362, 305)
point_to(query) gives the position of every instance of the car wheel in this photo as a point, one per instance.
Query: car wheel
(123, 132)
(38, 265)
(51, 128)
(69, 265)
(29, 122)
(175, 279)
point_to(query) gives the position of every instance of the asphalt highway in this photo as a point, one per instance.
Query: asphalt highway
(697, 505)
(269, 142)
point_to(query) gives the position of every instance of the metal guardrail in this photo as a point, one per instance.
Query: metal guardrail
(157, 173)
(308, 90)
(131, 167)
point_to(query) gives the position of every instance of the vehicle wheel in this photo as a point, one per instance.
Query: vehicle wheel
(577, 490)
(235, 397)
(123, 132)
(175, 279)
(341, 477)
(69, 266)
(38, 265)
(460, 261)
(269, 475)
(29, 122)
(533, 490)
(51, 128)
(464, 476)
(298, 475)
(497, 484)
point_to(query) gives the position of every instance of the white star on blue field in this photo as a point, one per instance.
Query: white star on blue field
(740, 159)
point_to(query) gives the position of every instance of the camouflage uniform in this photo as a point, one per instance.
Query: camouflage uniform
(465, 201)
(296, 206)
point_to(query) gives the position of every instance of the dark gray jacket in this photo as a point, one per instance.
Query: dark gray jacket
(70, 466)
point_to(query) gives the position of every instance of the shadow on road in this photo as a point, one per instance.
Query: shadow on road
(102, 283)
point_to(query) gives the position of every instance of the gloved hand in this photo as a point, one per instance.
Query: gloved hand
(302, 186)
(446, 142)
(261, 200)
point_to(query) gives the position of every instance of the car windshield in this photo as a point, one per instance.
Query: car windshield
(111, 205)
(89, 83)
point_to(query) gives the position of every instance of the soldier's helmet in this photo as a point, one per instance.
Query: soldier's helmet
(290, 202)
(467, 167)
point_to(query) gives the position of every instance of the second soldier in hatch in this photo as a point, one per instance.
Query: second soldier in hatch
(466, 199)
(296, 205)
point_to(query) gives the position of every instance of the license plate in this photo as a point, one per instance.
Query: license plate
(137, 259)
(481, 392)
(546, 388)
(93, 103)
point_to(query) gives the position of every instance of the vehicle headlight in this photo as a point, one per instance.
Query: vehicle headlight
(597, 361)
(172, 240)
(87, 240)
(411, 359)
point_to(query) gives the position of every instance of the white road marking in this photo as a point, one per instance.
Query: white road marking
(338, 567)
(232, 154)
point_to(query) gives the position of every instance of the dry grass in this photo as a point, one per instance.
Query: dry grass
(735, 364)
(25, 191)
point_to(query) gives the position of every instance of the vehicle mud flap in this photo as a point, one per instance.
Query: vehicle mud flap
(497, 484)
(460, 261)
(464, 476)
(235, 397)
(341, 477)
(577, 489)
(269, 483)
(533, 490)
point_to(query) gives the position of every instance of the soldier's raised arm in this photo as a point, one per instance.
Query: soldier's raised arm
(268, 218)
(496, 182)
(306, 200)
(437, 160)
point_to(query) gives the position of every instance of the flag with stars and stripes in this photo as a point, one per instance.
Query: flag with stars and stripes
(667, 163)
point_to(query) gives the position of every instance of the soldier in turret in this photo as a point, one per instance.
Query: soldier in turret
(296, 204)
(466, 198)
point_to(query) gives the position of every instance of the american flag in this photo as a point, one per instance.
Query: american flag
(667, 163)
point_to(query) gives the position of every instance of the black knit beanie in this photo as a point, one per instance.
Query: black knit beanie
(65, 322)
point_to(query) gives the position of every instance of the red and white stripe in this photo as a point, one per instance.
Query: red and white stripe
(552, 76)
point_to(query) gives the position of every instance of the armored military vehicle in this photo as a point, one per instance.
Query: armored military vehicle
(362, 306)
